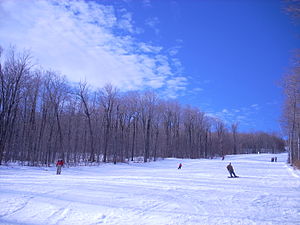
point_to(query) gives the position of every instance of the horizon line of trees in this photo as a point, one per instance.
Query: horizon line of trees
(43, 118)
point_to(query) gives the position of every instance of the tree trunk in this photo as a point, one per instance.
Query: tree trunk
(147, 141)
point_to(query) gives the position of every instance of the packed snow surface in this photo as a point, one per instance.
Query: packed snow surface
(154, 193)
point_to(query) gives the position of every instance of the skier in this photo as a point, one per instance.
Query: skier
(231, 170)
(180, 165)
(59, 164)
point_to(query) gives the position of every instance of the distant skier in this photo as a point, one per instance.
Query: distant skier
(180, 165)
(231, 170)
(275, 159)
(59, 164)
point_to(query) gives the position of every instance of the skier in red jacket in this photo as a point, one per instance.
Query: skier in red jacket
(59, 164)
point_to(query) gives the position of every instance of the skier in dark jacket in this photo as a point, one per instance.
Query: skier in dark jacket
(180, 165)
(59, 164)
(231, 170)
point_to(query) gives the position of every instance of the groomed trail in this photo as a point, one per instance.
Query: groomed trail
(154, 193)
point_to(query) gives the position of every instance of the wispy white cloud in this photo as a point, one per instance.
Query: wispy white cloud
(147, 3)
(88, 40)
(174, 50)
(125, 22)
(176, 87)
(152, 23)
(146, 48)
(272, 103)
(244, 116)
(193, 92)
(198, 89)
(255, 106)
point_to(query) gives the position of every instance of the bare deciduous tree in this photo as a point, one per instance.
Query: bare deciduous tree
(43, 118)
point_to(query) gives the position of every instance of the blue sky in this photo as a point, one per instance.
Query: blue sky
(225, 57)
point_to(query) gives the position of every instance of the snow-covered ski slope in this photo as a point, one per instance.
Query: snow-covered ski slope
(154, 193)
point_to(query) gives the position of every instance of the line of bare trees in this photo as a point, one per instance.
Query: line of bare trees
(43, 117)
(291, 111)
(291, 87)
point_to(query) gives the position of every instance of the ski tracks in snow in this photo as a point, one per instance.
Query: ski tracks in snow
(60, 215)
(155, 193)
(13, 205)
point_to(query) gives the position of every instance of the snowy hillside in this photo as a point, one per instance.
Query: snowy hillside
(154, 193)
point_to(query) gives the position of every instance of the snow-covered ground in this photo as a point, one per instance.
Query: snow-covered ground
(154, 193)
